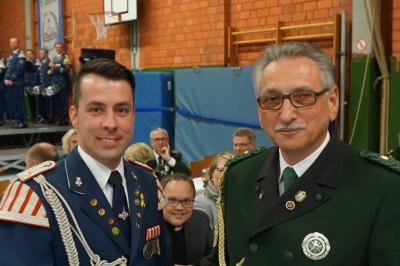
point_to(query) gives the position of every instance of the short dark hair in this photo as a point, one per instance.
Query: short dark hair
(178, 177)
(245, 132)
(45, 50)
(42, 152)
(106, 68)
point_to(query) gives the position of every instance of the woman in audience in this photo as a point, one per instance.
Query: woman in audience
(69, 140)
(140, 152)
(206, 201)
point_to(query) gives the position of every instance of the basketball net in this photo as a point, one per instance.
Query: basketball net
(99, 22)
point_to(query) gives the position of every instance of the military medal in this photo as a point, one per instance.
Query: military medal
(123, 215)
(316, 246)
(148, 251)
(152, 245)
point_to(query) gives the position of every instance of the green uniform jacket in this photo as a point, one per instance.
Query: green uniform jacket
(352, 201)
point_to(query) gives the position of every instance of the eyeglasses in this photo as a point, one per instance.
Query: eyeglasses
(159, 139)
(298, 99)
(187, 203)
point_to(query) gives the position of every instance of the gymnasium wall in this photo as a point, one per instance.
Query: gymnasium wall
(175, 33)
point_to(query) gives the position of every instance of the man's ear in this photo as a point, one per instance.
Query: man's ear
(333, 103)
(73, 116)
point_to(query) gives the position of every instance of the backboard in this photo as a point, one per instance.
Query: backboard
(120, 10)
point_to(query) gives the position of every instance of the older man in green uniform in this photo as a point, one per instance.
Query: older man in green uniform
(311, 200)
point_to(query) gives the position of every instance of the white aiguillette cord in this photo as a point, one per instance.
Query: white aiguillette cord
(53, 197)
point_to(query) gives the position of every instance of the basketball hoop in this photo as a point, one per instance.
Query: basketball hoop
(98, 20)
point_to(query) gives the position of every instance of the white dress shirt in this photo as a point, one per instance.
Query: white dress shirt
(102, 173)
(301, 167)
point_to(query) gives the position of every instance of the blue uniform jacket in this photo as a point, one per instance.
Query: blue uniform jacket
(31, 74)
(3, 69)
(34, 245)
(45, 79)
(60, 72)
(15, 67)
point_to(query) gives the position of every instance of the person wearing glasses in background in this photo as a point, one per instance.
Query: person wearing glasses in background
(311, 200)
(189, 235)
(165, 161)
(244, 139)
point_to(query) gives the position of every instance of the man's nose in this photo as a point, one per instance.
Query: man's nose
(109, 120)
(287, 111)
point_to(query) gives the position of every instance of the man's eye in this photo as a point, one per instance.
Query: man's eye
(123, 110)
(95, 109)
(273, 98)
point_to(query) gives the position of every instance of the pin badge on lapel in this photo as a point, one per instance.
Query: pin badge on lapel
(316, 246)
(134, 176)
(78, 181)
(124, 214)
(152, 245)
(290, 205)
(300, 196)
(142, 202)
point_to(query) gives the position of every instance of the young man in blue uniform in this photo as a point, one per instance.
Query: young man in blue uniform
(59, 70)
(45, 103)
(14, 84)
(311, 200)
(31, 77)
(92, 207)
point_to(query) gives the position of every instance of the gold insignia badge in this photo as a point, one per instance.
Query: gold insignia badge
(290, 205)
(93, 202)
(300, 196)
(102, 212)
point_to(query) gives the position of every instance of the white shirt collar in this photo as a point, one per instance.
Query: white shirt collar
(101, 172)
(301, 167)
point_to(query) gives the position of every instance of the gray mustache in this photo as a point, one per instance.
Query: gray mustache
(283, 126)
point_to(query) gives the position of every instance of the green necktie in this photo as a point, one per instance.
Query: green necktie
(289, 176)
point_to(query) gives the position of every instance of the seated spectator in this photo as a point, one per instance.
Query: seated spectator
(39, 153)
(69, 141)
(244, 139)
(166, 161)
(140, 152)
(206, 201)
(189, 234)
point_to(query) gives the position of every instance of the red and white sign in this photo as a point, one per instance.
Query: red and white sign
(361, 44)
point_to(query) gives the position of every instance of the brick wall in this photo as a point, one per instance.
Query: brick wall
(83, 34)
(246, 15)
(396, 30)
(181, 32)
(176, 33)
(12, 24)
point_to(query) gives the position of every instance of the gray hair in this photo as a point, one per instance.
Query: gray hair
(294, 50)
(157, 129)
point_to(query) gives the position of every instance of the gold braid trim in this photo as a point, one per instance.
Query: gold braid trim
(219, 237)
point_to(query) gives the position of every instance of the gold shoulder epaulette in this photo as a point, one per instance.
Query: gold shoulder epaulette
(142, 165)
(380, 159)
(247, 154)
(36, 170)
